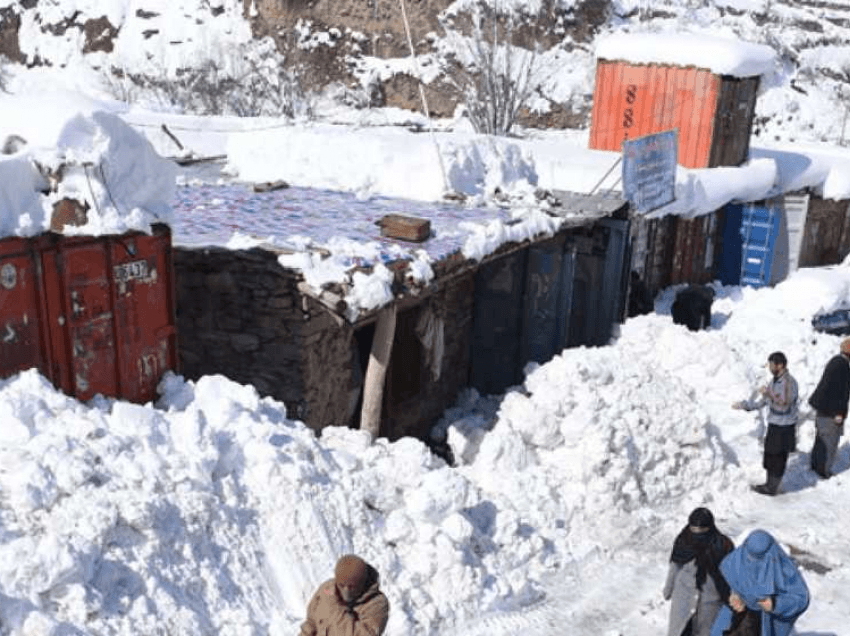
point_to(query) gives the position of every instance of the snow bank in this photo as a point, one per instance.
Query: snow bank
(823, 168)
(383, 161)
(397, 163)
(720, 55)
(216, 513)
(70, 149)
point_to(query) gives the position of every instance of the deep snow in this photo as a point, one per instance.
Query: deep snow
(212, 512)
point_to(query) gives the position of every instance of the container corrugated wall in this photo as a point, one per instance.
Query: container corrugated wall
(93, 314)
(696, 248)
(712, 114)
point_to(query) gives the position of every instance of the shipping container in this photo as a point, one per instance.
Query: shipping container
(93, 314)
(712, 113)
(653, 242)
(826, 239)
(695, 249)
(23, 341)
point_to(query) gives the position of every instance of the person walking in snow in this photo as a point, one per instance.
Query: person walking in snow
(830, 400)
(350, 604)
(694, 584)
(767, 593)
(780, 395)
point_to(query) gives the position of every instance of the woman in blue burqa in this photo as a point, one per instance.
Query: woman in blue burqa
(767, 593)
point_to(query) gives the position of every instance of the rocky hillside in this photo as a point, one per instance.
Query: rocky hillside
(357, 51)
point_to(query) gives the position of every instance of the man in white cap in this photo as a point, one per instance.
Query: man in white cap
(350, 604)
(830, 399)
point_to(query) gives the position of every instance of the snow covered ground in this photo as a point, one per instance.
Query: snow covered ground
(213, 512)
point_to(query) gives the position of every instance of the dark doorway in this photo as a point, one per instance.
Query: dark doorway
(361, 348)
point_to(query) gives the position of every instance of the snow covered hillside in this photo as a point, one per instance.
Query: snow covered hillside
(142, 51)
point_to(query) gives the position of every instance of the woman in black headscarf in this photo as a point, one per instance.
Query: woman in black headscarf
(694, 584)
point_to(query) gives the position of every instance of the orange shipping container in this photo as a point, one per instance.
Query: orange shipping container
(93, 314)
(712, 113)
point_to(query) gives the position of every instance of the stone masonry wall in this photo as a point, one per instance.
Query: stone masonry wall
(241, 315)
(237, 315)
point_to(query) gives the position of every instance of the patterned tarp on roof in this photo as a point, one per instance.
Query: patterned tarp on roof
(210, 214)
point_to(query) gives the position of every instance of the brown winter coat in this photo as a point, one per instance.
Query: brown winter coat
(328, 614)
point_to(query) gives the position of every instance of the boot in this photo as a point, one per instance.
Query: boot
(770, 487)
(763, 489)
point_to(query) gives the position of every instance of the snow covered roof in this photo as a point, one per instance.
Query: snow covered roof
(331, 237)
(723, 56)
(824, 169)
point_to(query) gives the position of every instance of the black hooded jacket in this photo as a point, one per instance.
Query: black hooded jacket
(832, 393)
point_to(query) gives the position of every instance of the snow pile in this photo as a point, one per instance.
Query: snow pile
(382, 161)
(621, 435)
(823, 168)
(703, 190)
(398, 163)
(720, 55)
(215, 513)
(124, 518)
(77, 152)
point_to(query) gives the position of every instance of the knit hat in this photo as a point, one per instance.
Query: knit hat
(351, 570)
(845, 346)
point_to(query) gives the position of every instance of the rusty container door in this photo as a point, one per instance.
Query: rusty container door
(733, 123)
(690, 253)
(142, 282)
(80, 313)
(632, 100)
(22, 339)
(110, 310)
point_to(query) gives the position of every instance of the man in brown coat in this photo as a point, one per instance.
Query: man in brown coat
(350, 604)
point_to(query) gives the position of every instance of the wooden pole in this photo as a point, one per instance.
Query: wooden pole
(376, 371)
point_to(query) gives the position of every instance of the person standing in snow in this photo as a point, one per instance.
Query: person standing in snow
(767, 593)
(830, 399)
(350, 604)
(780, 395)
(694, 584)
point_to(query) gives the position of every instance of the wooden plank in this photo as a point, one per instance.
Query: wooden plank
(376, 371)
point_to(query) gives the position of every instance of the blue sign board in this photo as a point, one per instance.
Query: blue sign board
(649, 170)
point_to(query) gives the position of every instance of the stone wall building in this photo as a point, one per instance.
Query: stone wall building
(240, 313)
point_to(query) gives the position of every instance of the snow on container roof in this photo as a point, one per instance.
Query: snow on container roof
(64, 146)
(723, 56)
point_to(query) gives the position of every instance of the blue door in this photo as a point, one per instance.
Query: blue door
(729, 271)
(541, 304)
(497, 323)
(759, 229)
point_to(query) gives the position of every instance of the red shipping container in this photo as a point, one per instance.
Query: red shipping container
(22, 335)
(102, 308)
(712, 113)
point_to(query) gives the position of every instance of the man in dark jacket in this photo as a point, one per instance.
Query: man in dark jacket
(350, 604)
(830, 400)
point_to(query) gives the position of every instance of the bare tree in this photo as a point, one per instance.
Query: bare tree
(259, 82)
(494, 78)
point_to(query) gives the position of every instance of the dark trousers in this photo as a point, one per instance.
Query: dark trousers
(826, 444)
(779, 442)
